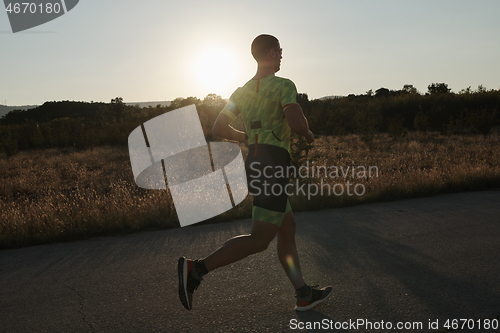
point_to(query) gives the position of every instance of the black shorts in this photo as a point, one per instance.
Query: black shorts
(267, 175)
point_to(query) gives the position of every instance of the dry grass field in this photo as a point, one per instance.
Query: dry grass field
(66, 194)
(417, 165)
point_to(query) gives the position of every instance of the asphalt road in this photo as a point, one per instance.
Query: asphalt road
(415, 260)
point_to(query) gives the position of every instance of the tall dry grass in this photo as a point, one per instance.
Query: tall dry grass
(420, 164)
(66, 194)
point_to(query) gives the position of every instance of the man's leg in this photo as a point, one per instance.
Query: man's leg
(307, 296)
(242, 246)
(237, 248)
(287, 251)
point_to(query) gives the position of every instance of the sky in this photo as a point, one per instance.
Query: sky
(152, 50)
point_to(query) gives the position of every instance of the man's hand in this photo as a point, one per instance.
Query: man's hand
(223, 129)
(310, 137)
(298, 122)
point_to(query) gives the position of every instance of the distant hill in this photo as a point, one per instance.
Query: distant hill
(4, 109)
(147, 104)
(53, 110)
(331, 97)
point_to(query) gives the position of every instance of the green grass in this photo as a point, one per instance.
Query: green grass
(67, 194)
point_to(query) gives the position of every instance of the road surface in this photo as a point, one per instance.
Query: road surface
(411, 261)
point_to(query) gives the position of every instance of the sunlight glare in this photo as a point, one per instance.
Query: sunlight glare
(215, 70)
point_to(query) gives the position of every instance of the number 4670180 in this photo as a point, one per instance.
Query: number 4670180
(33, 8)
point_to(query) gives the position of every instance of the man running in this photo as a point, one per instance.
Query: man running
(270, 112)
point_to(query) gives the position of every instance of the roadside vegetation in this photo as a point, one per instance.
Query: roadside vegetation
(66, 174)
(66, 194)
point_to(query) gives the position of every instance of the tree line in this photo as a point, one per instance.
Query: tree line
(86, 125)
(398, 111)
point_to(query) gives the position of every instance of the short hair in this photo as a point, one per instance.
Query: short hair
(261, 44)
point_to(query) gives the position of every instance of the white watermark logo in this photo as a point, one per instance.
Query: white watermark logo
(205, 180)
(25, 15)
(263, 180)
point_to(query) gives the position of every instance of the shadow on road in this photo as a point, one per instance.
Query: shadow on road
(449, 271)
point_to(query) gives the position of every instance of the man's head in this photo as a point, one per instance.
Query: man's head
(266, 50)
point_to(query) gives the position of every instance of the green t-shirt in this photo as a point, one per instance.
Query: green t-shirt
(261, 104)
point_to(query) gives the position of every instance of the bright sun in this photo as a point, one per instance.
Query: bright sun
(215, 70)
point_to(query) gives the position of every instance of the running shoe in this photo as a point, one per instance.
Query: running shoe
(312, 298)
(188, 281)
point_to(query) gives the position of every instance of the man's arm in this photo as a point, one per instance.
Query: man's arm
(298, 122)
(224, 130)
